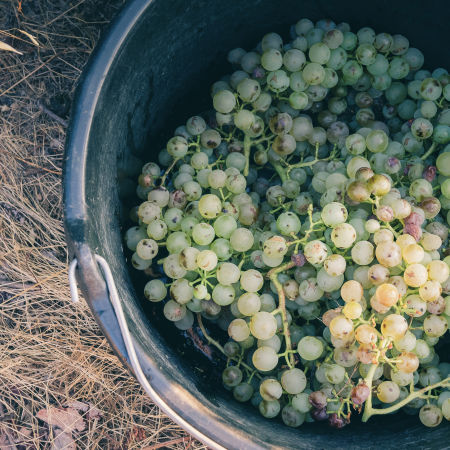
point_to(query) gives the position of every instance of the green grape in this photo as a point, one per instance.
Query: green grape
(187, 224)
(269, 409)
(133, 236)
(249, 304)
(147, 249)
(232, 376)
(265, 358)
(310, 348)
(181, 291)
(291, 417)
(430, 89)
(430, 415)
(288, 223)
(251, 280)
(294, 60)
(177, 241)
(319, 53)
(248, 90)
(278, 81)
(203, 233)
(155, 291)
(263, 325)
(195, 125)
(335, 374)
(270, 389)
(224, 101)
(177, 147)
(334, 214)
(443, 163)
(301, 402)
(293, 381)
(243, 392)
(173, 311)
(241, 240)
(446, 408)
(272, 59)
(313, 73)
(238, 330)
(224, 226)
(139, 263)
(222, 248)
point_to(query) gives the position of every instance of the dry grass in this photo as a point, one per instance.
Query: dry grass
(51, 351)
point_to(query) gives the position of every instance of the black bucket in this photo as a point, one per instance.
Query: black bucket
(150, 73)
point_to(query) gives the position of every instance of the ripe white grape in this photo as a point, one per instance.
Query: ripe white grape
(388, 392)
(223, 295)
(238, 330)
(352, 291)
(315, 252)
(341, 327)
(263, 325)
(209, 206)
(249, 304)
(206, 260)
(309, 290)
(343, 235)
(265, 359)
(310, 348)
(251, 280)
(241, 239)
(293, 381)
(394, 326)
(334, 213)
(388, 254)
(362, 253)
(228, 273)
(335, 265)
(155, 290)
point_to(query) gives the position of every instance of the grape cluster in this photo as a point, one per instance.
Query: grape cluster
(306, 216)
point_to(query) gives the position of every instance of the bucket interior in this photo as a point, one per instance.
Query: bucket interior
(160, 77)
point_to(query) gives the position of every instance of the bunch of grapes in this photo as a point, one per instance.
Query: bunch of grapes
(306, 217)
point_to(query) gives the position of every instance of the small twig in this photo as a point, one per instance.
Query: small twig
(38, 284)
(28, 75)
(51, 114)
(56, 172)
(165, 444)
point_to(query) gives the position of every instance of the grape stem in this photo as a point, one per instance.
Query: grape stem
(429, 152)
(273, 276)
(369, 411)
(247, 147)
(163, 179)
(219, 347)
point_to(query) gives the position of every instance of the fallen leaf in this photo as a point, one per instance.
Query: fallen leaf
(7, 47)
(63, 441)
(67, 419)
(80, 406)
(92, 411)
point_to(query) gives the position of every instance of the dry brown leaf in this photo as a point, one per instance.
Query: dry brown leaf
(63, 441)
(8, 48)
(31, 37)
(67, 419)
(75, 404)
(92, 411)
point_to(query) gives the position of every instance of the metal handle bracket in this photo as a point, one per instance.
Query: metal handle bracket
(129, 345)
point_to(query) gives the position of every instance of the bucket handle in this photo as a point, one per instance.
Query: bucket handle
(129, 345)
